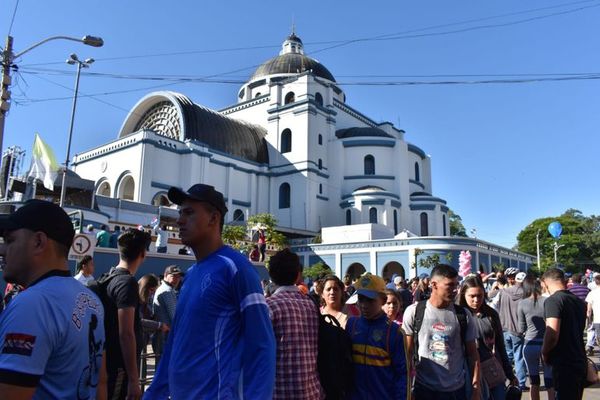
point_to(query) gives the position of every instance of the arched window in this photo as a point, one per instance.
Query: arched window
(320, 139)
(289, 98)
(319, 99)
(126, 188)
(320, 164)
(286, 141)
(320, 188)
(161, 199)
(424, 224)
(348, 217)
(395, 222)
(417, 174)
(238, 215)
(369, 165)
(284, 195)
(257, 94)
(103, 189)
(372, 215)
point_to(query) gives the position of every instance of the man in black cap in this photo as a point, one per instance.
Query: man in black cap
(165, 302)
(51, 335)
(222, 331)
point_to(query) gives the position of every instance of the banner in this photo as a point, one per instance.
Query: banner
(43, 163)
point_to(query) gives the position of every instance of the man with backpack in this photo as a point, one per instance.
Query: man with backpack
(441, 336)
(295, 321)
(118, 290)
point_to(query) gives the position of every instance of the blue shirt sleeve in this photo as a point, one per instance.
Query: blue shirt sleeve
(258, 359)
(399, 364)
(27, 338)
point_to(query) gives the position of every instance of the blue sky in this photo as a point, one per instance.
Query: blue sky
(503, 154)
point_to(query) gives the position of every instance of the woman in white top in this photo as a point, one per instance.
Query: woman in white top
(85, 270)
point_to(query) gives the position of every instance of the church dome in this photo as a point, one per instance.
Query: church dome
(292, 60)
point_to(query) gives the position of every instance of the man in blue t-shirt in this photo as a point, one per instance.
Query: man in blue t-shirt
(52, 334)
(221, 344)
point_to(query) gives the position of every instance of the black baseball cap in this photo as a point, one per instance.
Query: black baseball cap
(199, 192)
(40, 216)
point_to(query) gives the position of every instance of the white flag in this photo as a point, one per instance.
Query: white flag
(43, 163)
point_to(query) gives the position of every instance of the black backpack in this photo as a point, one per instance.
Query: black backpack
(334, 358)
(99, 287)
(420, 314)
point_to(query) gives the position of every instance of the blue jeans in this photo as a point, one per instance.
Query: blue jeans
(532, 353)
(514, 350)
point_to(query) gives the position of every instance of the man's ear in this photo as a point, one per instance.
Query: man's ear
(40, 242)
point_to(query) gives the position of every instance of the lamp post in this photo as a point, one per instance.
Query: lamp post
(73, 59)
(537, 245)
(8, 58)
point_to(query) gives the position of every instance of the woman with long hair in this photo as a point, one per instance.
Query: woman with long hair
(393, 306)
(491, 341)
(332, 296)
(531, 323)
(147, 287)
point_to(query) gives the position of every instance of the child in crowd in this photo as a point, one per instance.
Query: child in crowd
(380, 364)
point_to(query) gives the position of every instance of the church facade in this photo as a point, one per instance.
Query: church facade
(291, 146)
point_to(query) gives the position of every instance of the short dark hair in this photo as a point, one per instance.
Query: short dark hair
(597, 279)
(554, 274)
(577, 278)
(284, 267)
(444, 270)
(212, 209)
(103, 227)
(132, 243)
(83, 262)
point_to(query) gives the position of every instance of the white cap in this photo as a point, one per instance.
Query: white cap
(520, 277)
(397, 280)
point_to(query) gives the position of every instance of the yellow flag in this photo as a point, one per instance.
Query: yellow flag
(43, 163)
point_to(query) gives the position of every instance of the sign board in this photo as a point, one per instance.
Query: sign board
(83, 245)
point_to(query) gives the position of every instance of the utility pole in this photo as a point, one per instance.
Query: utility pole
(537, 243)
(7, 57)
(7, 64)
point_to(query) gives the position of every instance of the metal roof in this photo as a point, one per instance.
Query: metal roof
(292, 63)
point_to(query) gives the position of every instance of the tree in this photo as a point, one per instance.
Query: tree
(317, 271)
(579, 241)
(456, 226)
(234, 236)
(268, 222)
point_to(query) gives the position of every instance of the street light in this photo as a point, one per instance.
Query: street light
(8, 58)
(73, 59)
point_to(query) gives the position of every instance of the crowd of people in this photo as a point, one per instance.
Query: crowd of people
(218, 333)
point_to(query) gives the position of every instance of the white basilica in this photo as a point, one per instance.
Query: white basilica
(291, 146)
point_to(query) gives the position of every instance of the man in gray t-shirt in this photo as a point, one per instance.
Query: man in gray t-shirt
(440, 369)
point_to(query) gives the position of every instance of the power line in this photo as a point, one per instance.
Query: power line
(13, 18)
(388, 36)
(404, 35)
(526, 78)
